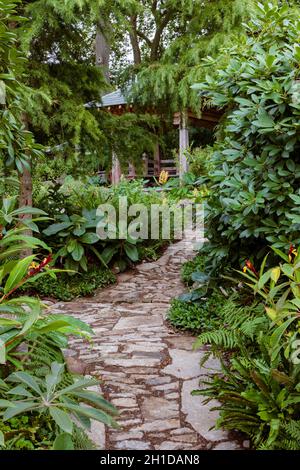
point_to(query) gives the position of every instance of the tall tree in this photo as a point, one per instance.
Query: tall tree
(17, 146)
(59, 39)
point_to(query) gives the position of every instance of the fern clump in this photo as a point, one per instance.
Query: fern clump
(237, 324)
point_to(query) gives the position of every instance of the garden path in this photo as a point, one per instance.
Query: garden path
(147, 369)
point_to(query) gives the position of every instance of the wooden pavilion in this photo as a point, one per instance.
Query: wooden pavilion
(116, 103)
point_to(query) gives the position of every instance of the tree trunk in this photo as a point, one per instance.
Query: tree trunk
(103, 48)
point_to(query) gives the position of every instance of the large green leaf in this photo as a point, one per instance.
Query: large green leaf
(56, 228)
(132, 252)
(63, 442)
(77, 252)
(96, 399)
(89, 238)
(18, 273)
(108, 253)
(27, 379)
(92, 413)
(28, 210)
(18, 408)
(32, 317)
(62, 419)
(78, 385)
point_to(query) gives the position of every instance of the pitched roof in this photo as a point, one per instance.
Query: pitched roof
(113, 99)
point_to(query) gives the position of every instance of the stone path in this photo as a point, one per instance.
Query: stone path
(148, 370)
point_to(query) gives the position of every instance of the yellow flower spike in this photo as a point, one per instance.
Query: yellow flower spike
(163, 177)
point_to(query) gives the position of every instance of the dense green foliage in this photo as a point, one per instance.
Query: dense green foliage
(65, 287)
(57, 59)
(254, 198)
(74, 239)
(31, 344)
(194, 265)
(197, 316)
(191, 32)
(259, 386)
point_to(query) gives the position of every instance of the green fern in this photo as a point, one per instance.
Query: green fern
(225, 339)
(81, 440)
(237, 324)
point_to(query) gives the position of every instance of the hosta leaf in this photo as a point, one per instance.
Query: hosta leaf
(132, 252)
(78, 252)
(89, 238)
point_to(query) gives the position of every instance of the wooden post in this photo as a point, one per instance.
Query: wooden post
(156, 158)
(115, 170)
(145, 164)
(131, 171)
(183, 144)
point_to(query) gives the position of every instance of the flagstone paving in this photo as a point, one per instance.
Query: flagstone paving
(147, 369)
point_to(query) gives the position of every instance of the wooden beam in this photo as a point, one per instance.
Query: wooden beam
(183, 144)
(156, 157)
(131, 171)
(115, 170)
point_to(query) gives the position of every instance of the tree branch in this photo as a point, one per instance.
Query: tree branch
(133, 34)
(143, 36)
(165, 19)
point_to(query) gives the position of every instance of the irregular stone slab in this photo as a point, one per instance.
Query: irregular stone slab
(199, 415)
(126, 436)
(170, 445)
(159, 425)
(181, 342)
(133, 445)
(133, 322)
(185, 364)
(124, 402)
(133, 362)
(159, 408)
(227, 446)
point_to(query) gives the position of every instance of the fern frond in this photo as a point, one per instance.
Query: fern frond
(226, 339)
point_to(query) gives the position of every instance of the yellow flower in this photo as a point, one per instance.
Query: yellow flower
(33, 265)
(163, 177)
(244, 269)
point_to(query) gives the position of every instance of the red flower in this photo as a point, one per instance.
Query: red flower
(40, 266)
(251, 267)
